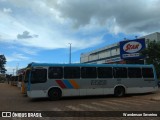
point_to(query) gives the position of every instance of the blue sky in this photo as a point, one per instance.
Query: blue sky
(40, 30)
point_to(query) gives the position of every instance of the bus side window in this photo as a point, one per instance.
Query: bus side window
(55, 73)
(147, 73)
(88, 72)
(120, 72)
(39, 76)
(104, 72)
(134, 73)
(71, 72)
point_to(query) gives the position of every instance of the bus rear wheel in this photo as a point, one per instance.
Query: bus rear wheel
(119, 91)
(54, 94)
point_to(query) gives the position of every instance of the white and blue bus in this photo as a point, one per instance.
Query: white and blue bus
(59, 80)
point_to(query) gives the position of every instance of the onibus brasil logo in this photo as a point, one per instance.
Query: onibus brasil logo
(21, 114)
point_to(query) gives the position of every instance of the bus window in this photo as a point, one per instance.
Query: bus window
(120, 72)
(39, 76)
(104, 72)
(147, 73)
(134, 73)
(55, 72)
(88, 72)
(71, 72)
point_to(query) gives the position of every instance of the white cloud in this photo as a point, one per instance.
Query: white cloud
(16, 57)
(10, 27)
(60, 22)
(51, 33)
(10, 69)
(29, 51)
(80, 22)
(7, 10)
(132, 16)
(3, 0)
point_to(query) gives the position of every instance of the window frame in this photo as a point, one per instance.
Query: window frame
(115, 72)
(98, 71)
(79, 71)
(147, 74)
(135, 68)
(61, 75)
(88, 77)
(36, 82)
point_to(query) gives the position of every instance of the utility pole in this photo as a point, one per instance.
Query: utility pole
(13, 72)
(17, 68)
(70, 45)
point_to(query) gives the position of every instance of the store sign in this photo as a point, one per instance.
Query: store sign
(131, 49)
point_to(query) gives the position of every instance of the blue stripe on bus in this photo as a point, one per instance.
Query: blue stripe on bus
(67, 83)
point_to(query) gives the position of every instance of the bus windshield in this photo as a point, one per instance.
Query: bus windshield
(26, 77)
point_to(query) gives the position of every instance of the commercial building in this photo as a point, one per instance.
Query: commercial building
(113, 53)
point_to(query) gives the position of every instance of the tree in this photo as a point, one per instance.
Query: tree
(2, 63)
(152, 53)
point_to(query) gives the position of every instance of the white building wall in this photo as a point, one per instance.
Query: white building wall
(154, 36)
(113, 52)
(103, 54)
(93, 57)
(84, 59)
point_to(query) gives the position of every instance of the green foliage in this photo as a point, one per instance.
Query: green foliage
(2, 79)
(152, 53)
(2, 63)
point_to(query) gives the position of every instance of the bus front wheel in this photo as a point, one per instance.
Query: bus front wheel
(54, 94)
(119, 91)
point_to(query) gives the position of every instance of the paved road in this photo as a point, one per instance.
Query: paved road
(12, 100)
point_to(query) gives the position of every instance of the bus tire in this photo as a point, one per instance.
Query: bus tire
(119, 91)
(54, 94)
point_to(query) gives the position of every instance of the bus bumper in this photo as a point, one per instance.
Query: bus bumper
(36, 94)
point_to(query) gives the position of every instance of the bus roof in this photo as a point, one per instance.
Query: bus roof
(87, 65)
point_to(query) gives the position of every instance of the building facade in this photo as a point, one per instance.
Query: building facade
(111, 53)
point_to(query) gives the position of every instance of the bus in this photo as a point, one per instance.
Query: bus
(24, 83)
(20, 74)
(20, 77)
(14, 80)
(60, 80)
